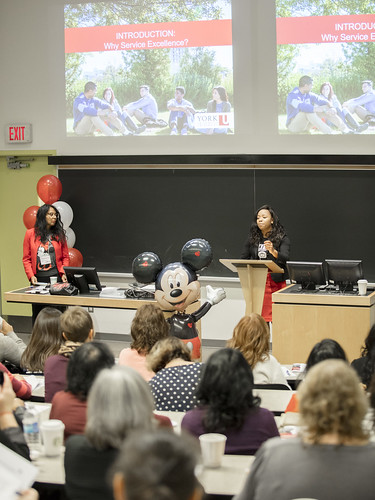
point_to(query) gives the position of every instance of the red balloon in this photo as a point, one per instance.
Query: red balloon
(29, 216)
(75, 258)
(49, 189)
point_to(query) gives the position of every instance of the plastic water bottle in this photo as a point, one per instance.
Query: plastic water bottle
(30, 425)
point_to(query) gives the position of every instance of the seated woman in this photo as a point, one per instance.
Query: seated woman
(251, 337)
(326, 90)
(11, 434)
(325, 349)
(227, 405)
(119, 402)
(177, 377)
(157, 465)
(333, 457)
(148, 326)
(365, 365)
(109, 96)
(84, 364)
(45, 341)
(11, 346)
(218, 104)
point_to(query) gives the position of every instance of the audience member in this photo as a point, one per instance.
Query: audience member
(45, 341)
(333, 457)
(157, 465)
(181, 113)
(226, 405)
(325, 349)
(306, 109)
(77, 328)
(119, 401)
(148, 326)
(11, 346)
(364, 105)
(84, 364)
(176, 379)
(11, 434)
(21, 388)
(365, 365)
(89, 113)
(145, 108)
(251, 336)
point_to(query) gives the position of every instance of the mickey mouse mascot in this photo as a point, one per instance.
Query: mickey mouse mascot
(177, 286)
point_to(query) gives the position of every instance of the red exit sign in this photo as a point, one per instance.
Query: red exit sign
(16, 133)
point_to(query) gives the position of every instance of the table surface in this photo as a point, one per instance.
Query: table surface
(87, 300)
(225, 480)
(291, 294)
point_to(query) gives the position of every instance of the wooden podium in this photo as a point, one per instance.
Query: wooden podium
(253, 276)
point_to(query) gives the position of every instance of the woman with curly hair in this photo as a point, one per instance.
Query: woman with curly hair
(332, 457)
(176, 376)
(365, 365)
(251, 338)
(148, 326)
(45, 250)
(268, 241)
(227, 405)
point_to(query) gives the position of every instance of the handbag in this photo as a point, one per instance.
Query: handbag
(63, 289)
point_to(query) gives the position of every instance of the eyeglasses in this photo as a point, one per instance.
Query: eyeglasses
(54, 214)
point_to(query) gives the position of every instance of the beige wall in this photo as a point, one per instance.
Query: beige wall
(17, 192)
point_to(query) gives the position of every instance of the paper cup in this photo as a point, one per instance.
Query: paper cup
(52, 436)
(212, 446)
(362, 287)
(53, 280)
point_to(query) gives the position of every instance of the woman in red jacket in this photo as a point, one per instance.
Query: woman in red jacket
(45, 250)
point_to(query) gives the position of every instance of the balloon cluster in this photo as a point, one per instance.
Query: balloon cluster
(49, 189)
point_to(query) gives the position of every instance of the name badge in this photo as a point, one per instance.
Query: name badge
(262, 252)
(45, 259)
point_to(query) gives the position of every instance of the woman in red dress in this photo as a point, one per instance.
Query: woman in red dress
(268, 241)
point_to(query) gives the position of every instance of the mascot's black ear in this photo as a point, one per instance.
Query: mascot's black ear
(197, 254)
(146, 266)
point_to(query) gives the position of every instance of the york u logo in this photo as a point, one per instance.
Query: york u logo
(223, 120)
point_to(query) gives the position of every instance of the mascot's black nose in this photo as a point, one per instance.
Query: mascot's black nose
(176, 293)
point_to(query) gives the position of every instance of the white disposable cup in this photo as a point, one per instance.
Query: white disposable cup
(53, 280)
(213, 447)
(362, 287)
(52, 436)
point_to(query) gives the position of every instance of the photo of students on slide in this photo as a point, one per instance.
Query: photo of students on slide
(181, 118)
(332, 43)
(137, 53)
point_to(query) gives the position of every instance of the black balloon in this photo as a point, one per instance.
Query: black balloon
(197, 253)
(146, 266)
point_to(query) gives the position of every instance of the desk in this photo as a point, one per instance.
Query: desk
(91, 300)
(225, 480)
(274, 400)
(85, 300)
(302, 320)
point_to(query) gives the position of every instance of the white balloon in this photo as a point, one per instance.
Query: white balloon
(66, 213)
(70, 237)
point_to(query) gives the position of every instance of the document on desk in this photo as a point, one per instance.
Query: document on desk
(16, 473)
(38, 289)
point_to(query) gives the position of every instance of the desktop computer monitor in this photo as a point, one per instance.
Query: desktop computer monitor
(307, 274)
(86, 279)
(344, 273)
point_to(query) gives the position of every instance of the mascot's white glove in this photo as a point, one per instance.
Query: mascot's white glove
(215, 295)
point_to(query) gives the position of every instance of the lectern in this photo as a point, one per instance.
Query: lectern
(253, 276)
